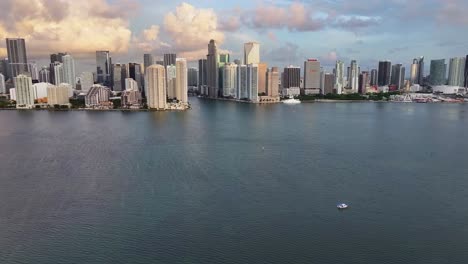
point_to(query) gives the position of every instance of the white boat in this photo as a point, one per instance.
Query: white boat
(342, 206)
(291, 101)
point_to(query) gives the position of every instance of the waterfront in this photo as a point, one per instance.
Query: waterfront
(236, 183)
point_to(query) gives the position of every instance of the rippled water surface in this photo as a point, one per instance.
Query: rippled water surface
(236, 183)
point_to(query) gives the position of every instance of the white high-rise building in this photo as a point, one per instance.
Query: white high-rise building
(57, 95)
(58, 73)
(156, 81)
(339, 77)
(171, 81)
(251, 53)
(131, 85)
(312, 77)
(24, 91)
(40, 90)
(353, 77)
(69, 75)
(456, 75)
(181, 91)
(86, 80)
(230, 80)
(2, 84)
(252, 82)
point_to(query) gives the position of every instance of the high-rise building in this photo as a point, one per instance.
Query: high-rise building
(44, 75)
(148, 60)
(135, 73)
(272, 84)
(385, 68)
(5, 68)
(202, 77)
(398, 76)
(417, 71)
(97, 96)
(24, 91)
(171, 75)
(69, 75)
(119, 75)
(181, 91)
(328, 83)
(86, 80)
(17, 57)
(56, 73)
(131, 85)
(131, 98)
(291, 81)
(438, 72)
(224, 58)
(251, 53)
(420, 61)
(58, 57)
(353, 77)
(192, 74)
(466, 71)
(169, 59)
(2, 84)
(339, 77)
(156, 82)
(262, 71)
(33, 72)
(252, 82)
(103, 72)
(364, 82)
(230, 80)
(242, 82)
(57, 95)
(456, 76)
(312, 77)
(212, 69)
(374, 77)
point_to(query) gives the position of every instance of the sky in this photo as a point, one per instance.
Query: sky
(289, 31)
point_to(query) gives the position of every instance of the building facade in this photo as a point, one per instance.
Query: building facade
(24, 91)
(438, 72)
(456, 75)
(312, 77)
(251, 53)
(230, 80)
(97, 96)
(202, 77)
(156, 90)
(272, 84)
(57, 95)
(339, 77)
(212, 69)
(398, 76)
(17, 57)
(181, 91)
(69, 75)
(103, 67)
(2, 84)
(385, 68)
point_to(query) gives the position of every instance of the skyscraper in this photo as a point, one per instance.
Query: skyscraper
(273, 82)
(17, 58)
(364, 82)
(456, 76)
(86, 80)
(181, 91)
(466, 71)
(312, 77)
(135, 73)
(57, 95)
(385, 68)
(24, 91)
(56, 73)
(44, 75)
(212, 69)
(251, 53)
(58, 57)
(156, 87)
(242, 92)
(374, 77)
(130, 84)
(202, 77)
(103, 62)
(5, 68)
(438, 72)
(421, 70)
(224, 58)
(414, 74)
(170, 59)
(353, 77)
(262, 70)
(230, 80)
(69, 75)
(192, 74)
(291, 81)
(328, 83)
(398, 76)
(148, 60)
(2, 84)
(252, 82)
(118, 75)
(339, 77)
(171, 75)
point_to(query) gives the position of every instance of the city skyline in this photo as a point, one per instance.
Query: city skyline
(362, 31)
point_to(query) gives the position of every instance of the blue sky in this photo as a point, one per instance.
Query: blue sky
(289, 31)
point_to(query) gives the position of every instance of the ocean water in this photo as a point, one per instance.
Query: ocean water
(236, 183)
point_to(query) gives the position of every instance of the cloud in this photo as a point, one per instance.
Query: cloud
(287, 53)
(190, 30)
(453, 12)
(151, 33)
(230, 24)
(356, 22)
(294, 17)
(78, 27)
